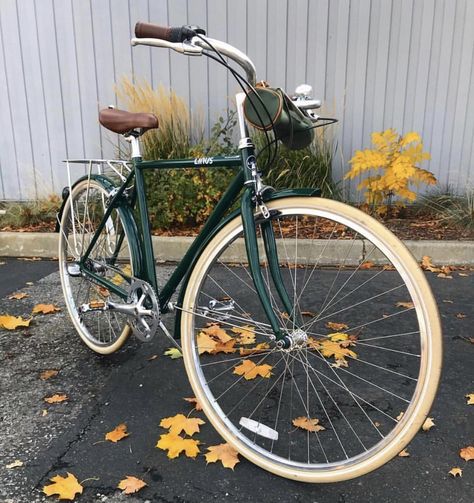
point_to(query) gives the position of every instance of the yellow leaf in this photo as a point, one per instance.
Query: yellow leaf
(45, 309)
(12, 322)
(224, 453)
(259, 348)
(247, 334)
(195, 401)
(65, 487)
(250, 370)
(173, 353)
(427, 265)
(176, 444)
(410, 138)
(467, 453)
(118, 278)
(130, 485)
(428, 424)
(18, 296)
(399, 416)
(205, 343)
(404, 454)
(407, 305)
(330, 348)
(177, 424)
(47, 374)
(217, 333)
(455, 472)
(117, 433)
(338, 337)
(470, 399)
(307, 423)
(336, 326)
(57, 398)
(224, 347)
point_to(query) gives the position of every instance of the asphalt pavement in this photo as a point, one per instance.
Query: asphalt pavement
(132, 387)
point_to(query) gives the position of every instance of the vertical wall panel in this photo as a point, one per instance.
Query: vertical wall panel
(377, 63)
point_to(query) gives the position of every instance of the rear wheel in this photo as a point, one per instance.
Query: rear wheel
(103, 331)
(361, 375)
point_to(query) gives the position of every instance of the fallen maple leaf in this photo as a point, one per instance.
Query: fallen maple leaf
(404, 454)
(205, 343)
(217, 333)
(407, 305)
(47, 374)
(308, 423)
(467, 453)
(338, 337)
(366, 265)
(330, 348)
(193, 400)
(118, 278)
(18, 296)
(428, 424)
(461, 316)
(259, 348)
(12, 322)
(175, 445)
(15, 464)
(246, 333)
(117, 433)
(57, 398)
(45, 309)
(455, 472)
(173, 353)
(250, 370)
(470, 399)
(177, 424)
(65, 487)
(336, 326)
(130, 485)
(309, 314)
(224, 347)
(427, 265)
(224, 453)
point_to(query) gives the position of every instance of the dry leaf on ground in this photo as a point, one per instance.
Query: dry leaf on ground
(218, 333)
(308, 423)
(15, 464)
(407, 305)
(175, 445)
(246, 333)
(152, 357)
(336, 326)
(117, 433)
(330, 348)
(259, 348)
(57, 398)
(461, 316)
(338, 337)
(224, 453)
(455, 472)
(173, 353)
(47, 374)
(249, 370)
(18, 296)
(45, 309)
(205, 343)
(177, 424)
(366, 265)
(470, 399)
(467, 453)
(65, 487)
(428, 424)
(12, 322)
(404, 454)
(29, 259)
(130, 484)
(193, 400)
(427, 265)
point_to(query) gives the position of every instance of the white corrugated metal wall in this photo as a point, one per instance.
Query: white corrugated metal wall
(377, 63)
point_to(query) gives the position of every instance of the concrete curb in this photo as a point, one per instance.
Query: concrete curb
(45, 245)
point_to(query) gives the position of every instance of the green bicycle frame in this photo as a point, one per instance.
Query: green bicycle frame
(140, 239)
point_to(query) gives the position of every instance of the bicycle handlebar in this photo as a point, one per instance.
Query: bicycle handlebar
(168, 33)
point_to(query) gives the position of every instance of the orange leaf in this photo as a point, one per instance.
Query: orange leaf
(307, 423)
(224, 347)
(259, 348)
(57, 398)
(194, 401)
(336, 326)
(177, 424)
(65, 487)
(467, 453)
(18, 296)
(366, 265)
(247, 334)
(47, 374)
(228, 456)
(117, 433)
(45, 309)
(176, 444)
(12, 322)
(470, 399)
(205, 343)
(455, 472)
(428, 424)
(130, 485)
(427, 265)
(217, 333)
(404, 454)
(250, 370)
(407, 305)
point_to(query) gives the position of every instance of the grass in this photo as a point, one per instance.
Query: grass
(31, 215)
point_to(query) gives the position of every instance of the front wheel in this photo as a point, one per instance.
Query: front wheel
(363, 368)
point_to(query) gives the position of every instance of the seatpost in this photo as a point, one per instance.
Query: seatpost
(134, 139)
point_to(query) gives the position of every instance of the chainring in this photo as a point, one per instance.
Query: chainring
(146, 320)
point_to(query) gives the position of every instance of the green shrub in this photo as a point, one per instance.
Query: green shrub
(39, 214)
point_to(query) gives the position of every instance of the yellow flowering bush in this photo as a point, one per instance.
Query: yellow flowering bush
(393, 165)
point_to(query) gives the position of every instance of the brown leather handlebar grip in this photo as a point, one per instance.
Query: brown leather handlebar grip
(148, 30)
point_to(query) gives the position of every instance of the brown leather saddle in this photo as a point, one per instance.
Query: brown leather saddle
(120, 121)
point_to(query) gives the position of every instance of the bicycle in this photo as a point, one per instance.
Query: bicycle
(289, 363)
